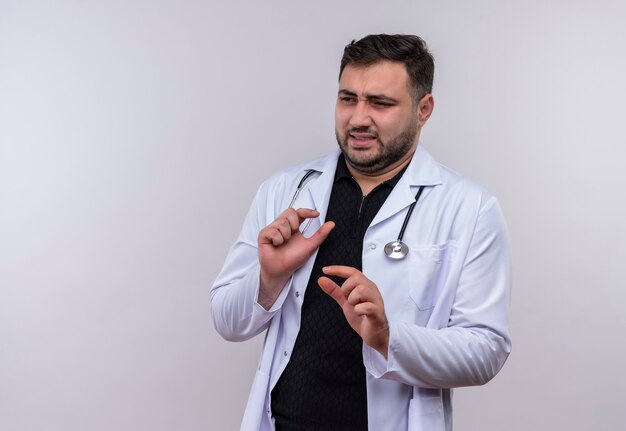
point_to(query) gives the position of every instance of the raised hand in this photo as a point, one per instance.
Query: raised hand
(283, 249)
(362, 304)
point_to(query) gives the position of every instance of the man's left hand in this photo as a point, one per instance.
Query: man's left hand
(362, 304)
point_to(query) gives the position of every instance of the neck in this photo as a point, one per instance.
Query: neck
(369, 181)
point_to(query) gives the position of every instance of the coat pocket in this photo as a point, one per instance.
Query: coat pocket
(428, 266)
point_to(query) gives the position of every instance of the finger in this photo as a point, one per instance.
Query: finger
(332, 289)
(272, 235)
(351, 284)
(365, 309)
(284, 227)
(294, 219)
(355, 295)
(357, 288)
(305, 213)
(340, 271)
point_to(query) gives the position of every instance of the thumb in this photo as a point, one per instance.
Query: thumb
(320, 236)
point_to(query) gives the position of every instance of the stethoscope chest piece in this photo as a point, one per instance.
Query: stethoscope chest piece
(396, 250)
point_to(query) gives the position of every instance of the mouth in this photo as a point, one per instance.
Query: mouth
(361, 139)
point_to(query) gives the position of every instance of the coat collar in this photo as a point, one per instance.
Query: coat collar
(423, 170)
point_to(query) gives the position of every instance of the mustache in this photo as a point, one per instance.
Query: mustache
(363, 129)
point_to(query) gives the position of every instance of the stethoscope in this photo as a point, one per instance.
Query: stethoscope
(301, 185)
(398, 249)
(395, 250)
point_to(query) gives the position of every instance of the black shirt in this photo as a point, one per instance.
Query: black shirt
(323, 385)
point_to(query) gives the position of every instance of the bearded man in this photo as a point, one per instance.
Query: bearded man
(380, 278)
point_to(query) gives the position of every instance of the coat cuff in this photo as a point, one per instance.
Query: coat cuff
(375, 363)
(259, 311)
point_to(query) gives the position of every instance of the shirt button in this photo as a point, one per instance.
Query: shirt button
(372, 246)
(297, 294)
(285, 353)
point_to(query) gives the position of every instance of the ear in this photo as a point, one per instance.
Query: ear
(425, 108)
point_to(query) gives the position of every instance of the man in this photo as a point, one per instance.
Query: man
(362, 334)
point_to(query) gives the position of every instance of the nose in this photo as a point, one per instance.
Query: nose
(361, 114)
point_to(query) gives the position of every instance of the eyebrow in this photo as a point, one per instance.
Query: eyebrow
(368, 96)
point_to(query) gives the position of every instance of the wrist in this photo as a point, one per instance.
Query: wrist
(383, 346)
(269, 289)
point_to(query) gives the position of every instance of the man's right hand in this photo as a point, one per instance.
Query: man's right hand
(283, 249)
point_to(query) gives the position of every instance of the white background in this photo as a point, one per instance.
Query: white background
(133, 135)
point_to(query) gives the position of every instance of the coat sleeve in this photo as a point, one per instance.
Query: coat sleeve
(236, 314)
(474, 345)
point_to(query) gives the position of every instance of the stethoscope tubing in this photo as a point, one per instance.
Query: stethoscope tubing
(300, 186)
(395, 249)
(295, 195)
(408, 214)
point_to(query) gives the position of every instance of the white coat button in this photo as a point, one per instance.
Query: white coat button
(285, 353)
(372, 246)
(297, 294)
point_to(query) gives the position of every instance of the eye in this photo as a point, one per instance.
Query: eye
(348, 100)
(380, 104)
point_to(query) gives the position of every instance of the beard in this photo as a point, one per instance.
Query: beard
(387, 153)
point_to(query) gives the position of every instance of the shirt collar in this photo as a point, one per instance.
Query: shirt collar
(342, 172)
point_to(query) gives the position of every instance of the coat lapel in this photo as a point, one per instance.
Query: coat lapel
(422, 171)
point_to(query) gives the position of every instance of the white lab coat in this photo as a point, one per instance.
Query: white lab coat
(447, 302)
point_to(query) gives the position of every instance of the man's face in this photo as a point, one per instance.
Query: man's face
(377, 122)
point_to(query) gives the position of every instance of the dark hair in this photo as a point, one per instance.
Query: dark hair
(407, 49)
